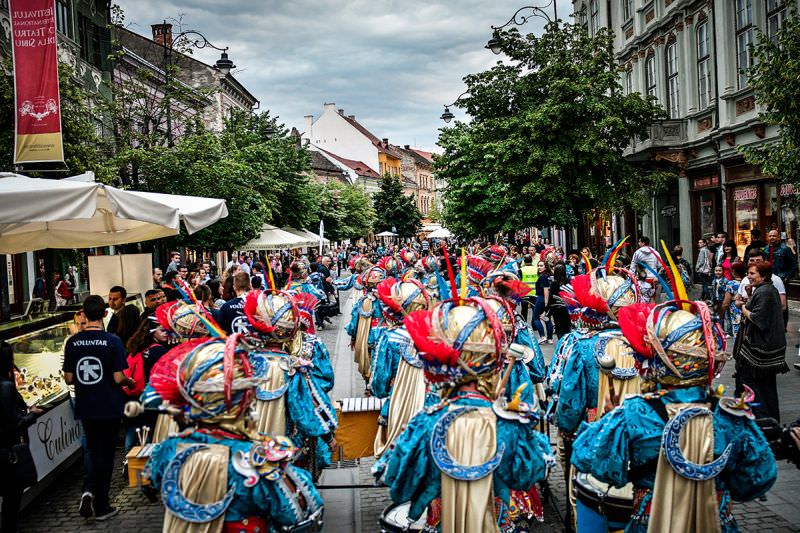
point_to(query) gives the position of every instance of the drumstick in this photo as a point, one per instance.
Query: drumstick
(515, 351)
(607, 366)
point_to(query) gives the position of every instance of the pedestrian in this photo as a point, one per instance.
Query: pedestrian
(717, 250)
(174, 261)
(755, 242)
(758, 256)
(762, 352)
(718, 292)
(542, 301)
(729, 256)
(40, 285)
(204, 295)
(152, 299)
(72, 281)
(702, 269)
(62, 290)
(94, 361)
(734, 314)
(15, 417)
(557, 309)
(129, 320)
(530, 273)
(170, 292)
(116, 301)
(231, 315)
(780, 256)
(645, 257)
(158, 276)
(215, 286)
(183, 271)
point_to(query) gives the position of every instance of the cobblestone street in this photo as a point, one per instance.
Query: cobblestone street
(359, 510)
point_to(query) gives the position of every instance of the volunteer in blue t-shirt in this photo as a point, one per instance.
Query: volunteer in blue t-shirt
(231, 315)
(93, 363)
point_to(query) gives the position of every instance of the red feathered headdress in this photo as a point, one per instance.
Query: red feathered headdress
(582, 285)
(306, 306)
(477, 268)
(632, 321)
(511, 288)
(419, 324)
(385, 293)
(163, 376)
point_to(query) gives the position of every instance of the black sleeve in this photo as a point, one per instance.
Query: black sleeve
(69, 357)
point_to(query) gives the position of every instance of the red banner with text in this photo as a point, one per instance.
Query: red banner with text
(37, 106)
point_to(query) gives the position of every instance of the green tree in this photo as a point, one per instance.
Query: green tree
(346, 209)
(546, 138)
(395, 209)
(775, 79)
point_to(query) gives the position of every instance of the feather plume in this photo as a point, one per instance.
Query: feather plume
(511, 288)
(418, 325)
(164, 315)
(611, 255)
(250, 310)
(164, 373)
(677, 281)
(187, 294)
(582, 285)
(384, 289)
(478, 267)
(664, 284)
(447, 261)
(633, 323)
(587, 263)
(306, 301)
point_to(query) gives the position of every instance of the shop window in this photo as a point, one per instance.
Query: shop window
(673, 90)
(745, 206)
(744, 39)
(790, 216)
(708, 215)
(703, 66)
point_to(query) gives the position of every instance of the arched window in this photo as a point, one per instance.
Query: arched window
(744, 39)
(650, 75)
(673, 87)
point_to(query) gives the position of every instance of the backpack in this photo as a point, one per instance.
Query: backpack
(135, 371)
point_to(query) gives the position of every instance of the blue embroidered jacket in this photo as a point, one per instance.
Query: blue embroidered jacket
(274, 500)
(536, 366)
(410, 471)
(315, 350)
(578, 387)
(630, 436)
(377, 314)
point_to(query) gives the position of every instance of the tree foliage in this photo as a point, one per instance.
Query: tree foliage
(775, 79)
(395, 209)
(346, 209)
(546, 138)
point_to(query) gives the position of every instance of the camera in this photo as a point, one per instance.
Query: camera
(779, 439)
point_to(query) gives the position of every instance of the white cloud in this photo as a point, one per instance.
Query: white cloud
(392, 63)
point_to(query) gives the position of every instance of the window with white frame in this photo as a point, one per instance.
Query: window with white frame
(673, 89)
(627, 10)
(744, 39)
(650, 75)
(629, 81)
(776, 14)
(63, 17)
(703, 65)
(594, 17)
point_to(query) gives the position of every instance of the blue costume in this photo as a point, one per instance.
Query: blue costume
(307, 286)
(286, 500)
(315, 350)
(536, 366)
(630, 436)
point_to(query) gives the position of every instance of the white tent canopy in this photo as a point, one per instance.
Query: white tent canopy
(78, 212)
(441, 233)
(273, 238)
(312, 238)
(385, 234)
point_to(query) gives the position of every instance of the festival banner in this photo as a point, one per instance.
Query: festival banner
(37, 106)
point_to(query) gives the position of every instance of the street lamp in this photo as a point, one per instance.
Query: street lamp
(518, 19)
(194, 39)
(448, 115)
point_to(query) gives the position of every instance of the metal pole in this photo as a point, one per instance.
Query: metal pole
(167, 61)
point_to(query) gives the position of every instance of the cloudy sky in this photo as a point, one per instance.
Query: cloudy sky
(392, 63)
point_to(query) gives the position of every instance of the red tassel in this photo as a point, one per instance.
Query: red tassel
(582, 285)
(633, 323)
(250, 309)
(418, 325)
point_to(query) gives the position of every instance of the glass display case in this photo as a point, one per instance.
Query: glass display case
(38, 357)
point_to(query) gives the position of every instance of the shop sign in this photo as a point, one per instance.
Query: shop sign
(705, 182)
(745, 193)
(54, 437)
(12, 298)
(787, 189)
(669, 210)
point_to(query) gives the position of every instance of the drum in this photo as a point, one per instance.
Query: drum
(394, 519)
(601, 507)
(358, 424)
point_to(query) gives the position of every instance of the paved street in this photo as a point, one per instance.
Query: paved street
(358, 510)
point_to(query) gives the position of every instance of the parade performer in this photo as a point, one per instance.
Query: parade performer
(687, 451)
(366, 320)
(310, 346)
(299, 282)
(290, 399)
(477, 268)
(358, 264)
(459, 458)
(397, 369)
(220, 475)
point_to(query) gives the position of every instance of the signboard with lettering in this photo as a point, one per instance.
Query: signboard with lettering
(669, 211)
(705, 182)
(37, 107)
(787, 189)
(54, 437)
(745, 193)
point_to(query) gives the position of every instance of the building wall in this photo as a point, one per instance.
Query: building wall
(333, 133)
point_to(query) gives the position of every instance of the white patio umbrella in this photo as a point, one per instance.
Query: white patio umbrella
(312, 238)
(441, 233)
(274, 238)
(78, 212)
(385, 234)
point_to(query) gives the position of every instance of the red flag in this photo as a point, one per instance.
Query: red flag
(36, 101)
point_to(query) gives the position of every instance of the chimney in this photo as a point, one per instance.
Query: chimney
(162, 33)
(341, 112)
(309, 123)
(386, 141)
(330, 106)
(351, 117)
(408, 147)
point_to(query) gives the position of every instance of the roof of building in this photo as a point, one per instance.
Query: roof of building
(321, 163)
(420, 157)
(361, 168)
(382, 147)
(422, 153)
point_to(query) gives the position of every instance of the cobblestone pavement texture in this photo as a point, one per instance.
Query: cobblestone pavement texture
(359, 510)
